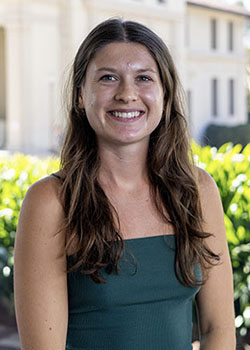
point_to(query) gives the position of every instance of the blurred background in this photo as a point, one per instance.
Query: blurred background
(210, 43)
(209, 40)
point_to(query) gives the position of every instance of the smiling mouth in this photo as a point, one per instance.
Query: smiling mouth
(126, 115)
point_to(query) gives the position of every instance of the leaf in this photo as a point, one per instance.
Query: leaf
(231, 237)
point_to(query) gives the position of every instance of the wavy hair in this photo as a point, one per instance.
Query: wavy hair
(90, 219)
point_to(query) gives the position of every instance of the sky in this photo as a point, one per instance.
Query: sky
(247, 6)
(246, 3)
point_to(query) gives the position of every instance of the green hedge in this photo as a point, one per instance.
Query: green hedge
(217, 135)
(17, 174)
(230, 168)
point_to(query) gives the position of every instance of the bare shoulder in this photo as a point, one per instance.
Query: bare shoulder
(40, 268)
(42, 213)
(205, 180)
(217, 293)
(208, 189)
(47, 186)
(44, 196)
(210, 199)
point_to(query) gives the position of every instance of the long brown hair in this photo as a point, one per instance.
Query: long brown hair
(89, 216)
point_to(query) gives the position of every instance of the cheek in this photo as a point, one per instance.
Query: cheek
(91, 105)
(94, 105)
(155, 100)
(97, 100)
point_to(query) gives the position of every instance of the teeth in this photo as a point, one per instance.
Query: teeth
(126, 115)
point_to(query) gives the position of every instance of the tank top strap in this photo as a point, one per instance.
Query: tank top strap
(53, 174)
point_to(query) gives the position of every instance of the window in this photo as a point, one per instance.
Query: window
(230, 36)
(213, 34)
(214, 97)
(231, 96)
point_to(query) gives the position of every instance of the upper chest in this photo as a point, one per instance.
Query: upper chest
(138, 215)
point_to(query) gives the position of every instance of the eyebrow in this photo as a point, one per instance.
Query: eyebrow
(113, 70)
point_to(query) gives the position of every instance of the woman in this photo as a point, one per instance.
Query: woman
(138, 226)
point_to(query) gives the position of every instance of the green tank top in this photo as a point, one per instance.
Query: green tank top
(144, 307)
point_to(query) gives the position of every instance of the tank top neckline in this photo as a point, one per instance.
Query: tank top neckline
(148, 237)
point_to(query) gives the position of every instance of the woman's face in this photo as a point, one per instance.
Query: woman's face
(122, 94)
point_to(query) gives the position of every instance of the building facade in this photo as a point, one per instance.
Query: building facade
(39, 38)
(216, 79)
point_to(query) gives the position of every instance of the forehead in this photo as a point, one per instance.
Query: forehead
(123, 55)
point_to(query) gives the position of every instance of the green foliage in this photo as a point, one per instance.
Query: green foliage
(217, 135)
(17, 174)
(230, 168)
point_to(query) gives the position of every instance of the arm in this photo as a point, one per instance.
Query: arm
(215, 298)
(40, 279)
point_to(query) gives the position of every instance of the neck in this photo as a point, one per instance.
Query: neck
(123, 167)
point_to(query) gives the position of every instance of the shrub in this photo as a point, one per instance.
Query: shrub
(217, 135)
(229, 167)
(17, 173)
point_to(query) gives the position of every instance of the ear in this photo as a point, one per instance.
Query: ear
(80, 102)
(80, 99)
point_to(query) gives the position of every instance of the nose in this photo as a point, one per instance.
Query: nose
(126, 92)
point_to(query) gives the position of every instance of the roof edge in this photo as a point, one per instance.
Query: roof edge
(233, 9)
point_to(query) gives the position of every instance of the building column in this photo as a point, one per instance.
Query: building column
(32, 67)
(2, 89)
(15, 68)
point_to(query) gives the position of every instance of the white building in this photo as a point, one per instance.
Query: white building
(39, 38)
(215, 64)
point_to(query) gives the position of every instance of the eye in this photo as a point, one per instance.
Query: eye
(144, 78)
(108, 77)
